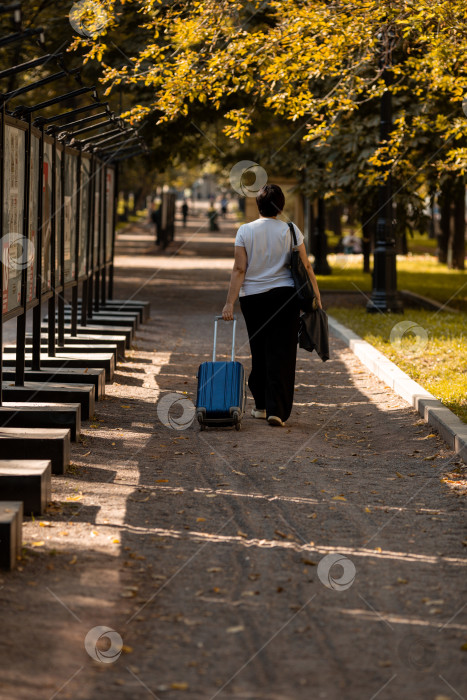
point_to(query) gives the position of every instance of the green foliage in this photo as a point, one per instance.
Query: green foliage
(303, 61)
(420, 274)
(439, 366)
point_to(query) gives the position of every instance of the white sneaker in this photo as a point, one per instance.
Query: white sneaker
(256, 413)
(275, 420)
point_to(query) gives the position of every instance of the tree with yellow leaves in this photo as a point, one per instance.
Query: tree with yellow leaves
(312, 64)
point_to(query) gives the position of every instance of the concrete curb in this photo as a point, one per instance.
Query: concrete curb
(449, 426)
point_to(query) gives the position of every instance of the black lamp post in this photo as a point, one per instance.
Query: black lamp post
(384, 297)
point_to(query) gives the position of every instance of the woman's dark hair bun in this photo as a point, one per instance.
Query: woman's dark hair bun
(270, 200)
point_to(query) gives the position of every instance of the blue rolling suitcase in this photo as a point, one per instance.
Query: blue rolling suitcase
(221, 389)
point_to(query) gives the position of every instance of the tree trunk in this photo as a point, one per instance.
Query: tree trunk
(456, 245)
(310, 224)
(312, 231)
(334, 215)
(368, 236)
(445, 223)
(433, 224)
(321, 265)
(402, 246)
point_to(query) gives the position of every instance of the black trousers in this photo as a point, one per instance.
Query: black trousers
(272, 320)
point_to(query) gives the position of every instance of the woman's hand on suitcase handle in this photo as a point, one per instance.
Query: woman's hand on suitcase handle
(227, 312)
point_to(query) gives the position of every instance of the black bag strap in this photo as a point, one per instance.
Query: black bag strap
(292, 230)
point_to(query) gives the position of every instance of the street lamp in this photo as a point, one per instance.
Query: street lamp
(384, 297)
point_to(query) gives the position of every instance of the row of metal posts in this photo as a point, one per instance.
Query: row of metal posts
(57, 231)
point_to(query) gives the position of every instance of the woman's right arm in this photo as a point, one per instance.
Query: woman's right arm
(236, 281)
(304, 258)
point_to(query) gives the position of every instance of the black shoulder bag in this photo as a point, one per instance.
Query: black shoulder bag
(301, 278)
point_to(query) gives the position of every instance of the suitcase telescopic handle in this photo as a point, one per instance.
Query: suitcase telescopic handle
(219, 318)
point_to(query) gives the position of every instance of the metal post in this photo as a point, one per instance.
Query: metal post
(85, 288)
(113, 234)
(98, 262)
(86, 303)
(91, 234)
(21, 319)
(37, 311)
(2, 175)
(53, 254)
(74, 291)
(384, 297)
(61, 297)
(104, 237)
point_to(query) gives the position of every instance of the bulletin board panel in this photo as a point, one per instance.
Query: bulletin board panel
(109, 219)
(46, 272)
(85, 204)
(97, 215)
(58, 215)
(31, 287)
(70, 205)
(14, 253)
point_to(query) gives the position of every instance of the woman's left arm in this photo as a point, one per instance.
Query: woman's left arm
(304, 257)
(236, 281)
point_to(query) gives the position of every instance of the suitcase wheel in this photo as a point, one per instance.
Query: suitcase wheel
(237, 420)
(200, 416)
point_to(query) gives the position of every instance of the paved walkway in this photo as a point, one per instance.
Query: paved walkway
(208, 552)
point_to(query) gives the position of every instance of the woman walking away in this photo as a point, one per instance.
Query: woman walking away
(262, 278)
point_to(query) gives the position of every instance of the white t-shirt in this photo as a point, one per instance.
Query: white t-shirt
(267, 243)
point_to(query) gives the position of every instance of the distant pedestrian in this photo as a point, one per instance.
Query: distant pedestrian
(212, 216)
(352, 243)
(224, 203)
(184, 212)
(156, 220)
(262, 277)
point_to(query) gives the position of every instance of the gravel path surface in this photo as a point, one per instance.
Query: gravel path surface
(208, 552)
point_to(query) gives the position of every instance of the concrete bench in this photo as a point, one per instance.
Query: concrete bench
(11, 524)
(67, 359)
(72, 375)
(42, 415)
(93, 327)
(21, 443)
(53, 393)
(26, 480)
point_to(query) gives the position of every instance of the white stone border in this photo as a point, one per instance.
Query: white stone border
(449, 426)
